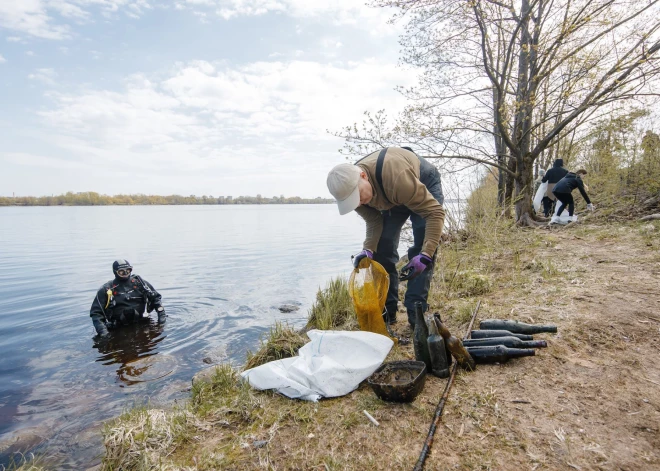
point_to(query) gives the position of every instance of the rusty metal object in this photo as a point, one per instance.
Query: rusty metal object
(398, 381)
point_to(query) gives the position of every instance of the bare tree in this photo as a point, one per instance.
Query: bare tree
(508, 83)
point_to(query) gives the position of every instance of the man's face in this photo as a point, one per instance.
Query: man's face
(366, 191)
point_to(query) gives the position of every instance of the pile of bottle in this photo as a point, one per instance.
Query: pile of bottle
(497, 342)
(500, 340)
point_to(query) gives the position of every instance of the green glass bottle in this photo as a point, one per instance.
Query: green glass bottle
(420, 338)
(438, 352)
(511, 342)
(516, 327)
(498, 354)
(486, 334)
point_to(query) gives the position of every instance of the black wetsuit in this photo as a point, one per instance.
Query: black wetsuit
(563, 189)
(129, 299)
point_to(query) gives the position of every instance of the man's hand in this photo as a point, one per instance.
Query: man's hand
(101, 328)
(161, 314)
(590, 207)
(415, 267)
(357, 257)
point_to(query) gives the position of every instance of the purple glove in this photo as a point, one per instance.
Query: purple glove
(365, 253)
(415, 267)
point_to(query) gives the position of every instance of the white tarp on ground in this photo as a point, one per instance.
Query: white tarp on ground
(564, 218)
(333, 364)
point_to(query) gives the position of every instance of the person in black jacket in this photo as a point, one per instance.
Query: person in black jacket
(552, 177)
(565, 186)
(123, 300)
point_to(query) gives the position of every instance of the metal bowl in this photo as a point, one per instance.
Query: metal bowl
(398, 381)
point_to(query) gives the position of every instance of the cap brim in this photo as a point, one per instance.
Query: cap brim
(349, 204)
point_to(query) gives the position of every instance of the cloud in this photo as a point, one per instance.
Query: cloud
(46, 76)
(338, 12)
(213, 120)
(36, 17)
(53, 19)
(2, 59)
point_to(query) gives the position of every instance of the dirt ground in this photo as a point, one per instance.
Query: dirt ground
(591, 400)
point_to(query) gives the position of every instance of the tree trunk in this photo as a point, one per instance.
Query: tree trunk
(508, 188)
(524, 187)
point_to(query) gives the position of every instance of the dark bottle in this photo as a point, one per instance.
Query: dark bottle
(437, 352)
(455, 346)
(420, 337)
(434, 320)
(516, 327)
(511, 342)
(487, 334)
(498, 354)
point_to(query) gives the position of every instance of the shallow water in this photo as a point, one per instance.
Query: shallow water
(222, 271)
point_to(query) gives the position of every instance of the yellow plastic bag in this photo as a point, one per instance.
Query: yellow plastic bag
(368, 287)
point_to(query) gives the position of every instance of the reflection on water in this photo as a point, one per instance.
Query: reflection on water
(132, 348)
(223, 271)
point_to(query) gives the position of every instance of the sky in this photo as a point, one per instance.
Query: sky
(203, 97)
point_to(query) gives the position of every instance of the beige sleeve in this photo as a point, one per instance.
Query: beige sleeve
(374, 221)
(412, 193)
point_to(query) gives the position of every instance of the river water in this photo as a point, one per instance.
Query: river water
(222, 271)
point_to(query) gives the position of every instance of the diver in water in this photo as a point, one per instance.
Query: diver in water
(123, 300)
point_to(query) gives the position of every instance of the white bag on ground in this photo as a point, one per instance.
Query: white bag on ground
(564, 218)
(538, 198)
(333, 364)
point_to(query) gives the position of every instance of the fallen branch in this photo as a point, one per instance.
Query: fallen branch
(650, 217)
(441, 405)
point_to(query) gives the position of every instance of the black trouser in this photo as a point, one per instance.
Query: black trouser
(547, 205)
(387, 252)
(566, 199)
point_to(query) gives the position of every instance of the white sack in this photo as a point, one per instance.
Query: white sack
(564, 218)
(538, 198)
(333, 364)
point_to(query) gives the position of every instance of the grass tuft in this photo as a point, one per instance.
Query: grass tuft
(281, 342)
(333, 308)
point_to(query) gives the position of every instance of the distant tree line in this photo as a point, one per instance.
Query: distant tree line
(91, 198)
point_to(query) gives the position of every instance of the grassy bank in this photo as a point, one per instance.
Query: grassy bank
(547, 412)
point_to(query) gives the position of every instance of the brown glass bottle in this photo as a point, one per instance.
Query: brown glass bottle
(516, 327)
(455, 346)
(486, 334)
(511, 342)
(498, 354)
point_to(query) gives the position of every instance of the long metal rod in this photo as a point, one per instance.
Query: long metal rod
(441, 405)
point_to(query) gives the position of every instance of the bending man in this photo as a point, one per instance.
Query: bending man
(565, 187)
(386, 188)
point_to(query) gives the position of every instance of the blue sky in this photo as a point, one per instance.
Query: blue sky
(214, 97)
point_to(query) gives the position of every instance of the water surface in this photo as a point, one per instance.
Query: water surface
(223, 271)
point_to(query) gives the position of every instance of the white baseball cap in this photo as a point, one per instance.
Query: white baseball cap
(343, 185)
